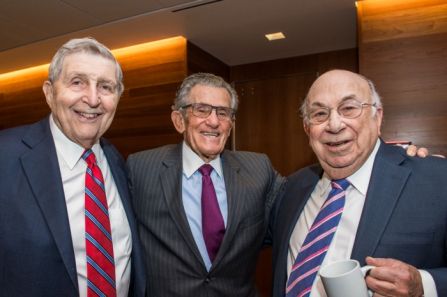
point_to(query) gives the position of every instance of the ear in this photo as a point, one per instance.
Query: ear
(379, 118)
(306, 127)
(48, 92)
(178, 121)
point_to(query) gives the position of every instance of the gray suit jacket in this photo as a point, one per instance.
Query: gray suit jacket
(173, 261)
(404, 217)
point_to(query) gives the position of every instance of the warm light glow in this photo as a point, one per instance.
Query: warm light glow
(144, 47)
(24, 74)
(275, 36)
(120, 53)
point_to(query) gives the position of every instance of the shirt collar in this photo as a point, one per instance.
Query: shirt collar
(70, 151)
(192, 162)
(360, 178)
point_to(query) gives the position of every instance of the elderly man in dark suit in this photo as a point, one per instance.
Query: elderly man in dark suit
(202, 209)
(384, 209)
(66, 223)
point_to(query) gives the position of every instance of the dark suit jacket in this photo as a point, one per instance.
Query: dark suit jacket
(173, 262)
(36, 251)
(404, 217)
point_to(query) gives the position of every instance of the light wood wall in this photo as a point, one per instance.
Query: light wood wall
(403, 49)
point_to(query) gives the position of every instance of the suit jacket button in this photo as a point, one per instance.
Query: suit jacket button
(207, 280)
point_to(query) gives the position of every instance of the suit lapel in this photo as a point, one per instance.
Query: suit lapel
(42, 170)
(235, 190)
(171, 182)
(386, 184)
(296, 195)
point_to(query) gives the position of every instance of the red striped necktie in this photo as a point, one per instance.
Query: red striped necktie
(317, 242)
(98, 235)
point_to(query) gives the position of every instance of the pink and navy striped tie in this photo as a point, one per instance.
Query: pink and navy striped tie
(98, 236)
(317, 242)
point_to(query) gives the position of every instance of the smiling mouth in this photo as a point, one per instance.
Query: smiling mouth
(88, 116)
(211, 134)
(337, 144)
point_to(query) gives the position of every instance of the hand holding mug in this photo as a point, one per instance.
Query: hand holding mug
(394, 278)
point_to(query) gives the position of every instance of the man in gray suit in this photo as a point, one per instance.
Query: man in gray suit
(200, 244)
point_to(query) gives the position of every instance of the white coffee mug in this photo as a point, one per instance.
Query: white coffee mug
(345, 279)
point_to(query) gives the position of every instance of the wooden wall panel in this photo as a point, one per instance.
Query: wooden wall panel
(403, 49)
(201, 61)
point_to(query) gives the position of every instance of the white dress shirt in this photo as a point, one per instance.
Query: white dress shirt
(343, 240)
(73, 169)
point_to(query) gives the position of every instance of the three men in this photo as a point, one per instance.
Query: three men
(66, 223)
(382, 204)
(202, 244)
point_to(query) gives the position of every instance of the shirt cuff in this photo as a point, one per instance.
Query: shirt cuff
(428, 284)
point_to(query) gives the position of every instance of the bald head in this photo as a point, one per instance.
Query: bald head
(342, 117)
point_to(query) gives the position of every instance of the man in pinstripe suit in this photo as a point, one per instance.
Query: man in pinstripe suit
(166, 188)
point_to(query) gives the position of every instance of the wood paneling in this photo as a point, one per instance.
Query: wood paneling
(201, 61)
(403, 49)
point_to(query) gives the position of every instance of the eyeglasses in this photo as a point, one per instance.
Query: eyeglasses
(203, 111)
(349, 109)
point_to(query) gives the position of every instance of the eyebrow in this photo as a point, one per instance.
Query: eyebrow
(82, 75)
(345, 98)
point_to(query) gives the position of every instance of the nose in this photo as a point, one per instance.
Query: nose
(91, 96)
(335, 122)
(212, 119)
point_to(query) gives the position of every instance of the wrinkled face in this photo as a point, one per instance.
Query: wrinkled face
(84, 98)
(342, 145)
(205, 136)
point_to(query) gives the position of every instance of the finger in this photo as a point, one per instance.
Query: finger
(422, 152)
(380, 287)
(411, 150)
(380, 261)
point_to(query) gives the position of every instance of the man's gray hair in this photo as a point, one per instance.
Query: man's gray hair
(205, 79)
(375, 98)
(87, 45)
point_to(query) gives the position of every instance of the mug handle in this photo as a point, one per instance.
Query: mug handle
(365, 270)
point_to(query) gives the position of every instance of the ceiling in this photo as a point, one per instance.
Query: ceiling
(231, 30)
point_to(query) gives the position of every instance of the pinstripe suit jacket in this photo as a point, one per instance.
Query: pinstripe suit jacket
(173, 261)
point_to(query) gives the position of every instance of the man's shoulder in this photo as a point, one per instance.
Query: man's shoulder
(13, 138)
(246, 156)
(154, 154)
(302, 175)
(427, 164)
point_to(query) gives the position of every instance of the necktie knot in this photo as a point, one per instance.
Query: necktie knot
(206, 169)
(89, 157)
(340, 184)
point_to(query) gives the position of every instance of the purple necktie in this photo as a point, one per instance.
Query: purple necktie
(213, 227)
